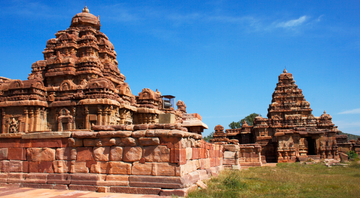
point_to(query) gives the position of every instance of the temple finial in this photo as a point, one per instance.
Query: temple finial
(85, 9)
(285, 71)
(324, 112)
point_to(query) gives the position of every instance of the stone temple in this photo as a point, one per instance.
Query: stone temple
(290, 133)
(75, 124)
(79, 85)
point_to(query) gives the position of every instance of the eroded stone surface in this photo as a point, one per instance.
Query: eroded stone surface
(41, 154)
(116, 153)
(132, 154)
(101, 153)
(157, 154)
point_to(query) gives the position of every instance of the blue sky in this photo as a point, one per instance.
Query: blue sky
(222, 58)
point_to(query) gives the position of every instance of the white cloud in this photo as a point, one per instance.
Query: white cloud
(346, 124)
(293, 23)
(348, 127)
(353, 111)
(319, 18)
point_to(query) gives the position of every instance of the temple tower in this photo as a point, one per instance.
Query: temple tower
(291, 132)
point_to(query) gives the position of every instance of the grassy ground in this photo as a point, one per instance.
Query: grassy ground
(285, 180)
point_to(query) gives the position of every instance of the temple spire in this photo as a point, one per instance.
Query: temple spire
(85, 9)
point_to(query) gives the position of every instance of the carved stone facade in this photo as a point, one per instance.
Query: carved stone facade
(78, 85)
(74, 124)
(290, 133)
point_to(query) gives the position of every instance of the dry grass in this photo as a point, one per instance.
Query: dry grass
(285, 180)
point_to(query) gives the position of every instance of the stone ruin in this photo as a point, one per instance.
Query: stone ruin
(344, 146)
(75, 124)
(290, 133)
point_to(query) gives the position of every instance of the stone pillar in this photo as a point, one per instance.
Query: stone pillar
(31, 122)
(122, 116)
(41, 119)
(45, 126)
(3, 129)
(104, 115)
(143, 116)
(26, 115)
(152, 118)
(69, 124)
(60, 127)
(87, 122)
(73, 118)
(36, 119)
(99, 119)
(108, 117)
(146, 116)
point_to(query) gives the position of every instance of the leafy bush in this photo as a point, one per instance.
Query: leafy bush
(352, 155)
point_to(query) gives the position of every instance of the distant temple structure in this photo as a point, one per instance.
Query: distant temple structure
(291, 132)
(79, 85)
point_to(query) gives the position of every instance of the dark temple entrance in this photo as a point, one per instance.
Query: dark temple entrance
(311, 146)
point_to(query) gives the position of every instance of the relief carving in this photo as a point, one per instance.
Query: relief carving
(14, 125)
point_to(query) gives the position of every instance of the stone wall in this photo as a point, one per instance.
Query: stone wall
(231, 156)
(237, 156)
(157, 161)
(250, 155)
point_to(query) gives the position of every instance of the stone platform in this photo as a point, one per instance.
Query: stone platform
(14, 192)
(136, 161)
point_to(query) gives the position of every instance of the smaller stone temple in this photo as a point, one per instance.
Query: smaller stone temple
(290, 132)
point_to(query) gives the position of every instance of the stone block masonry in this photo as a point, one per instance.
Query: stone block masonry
(150, 161)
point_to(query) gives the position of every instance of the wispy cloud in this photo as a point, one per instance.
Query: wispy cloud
(168, 24)
(353, 111)
(320, 18)
(348, 126)
(292, 23)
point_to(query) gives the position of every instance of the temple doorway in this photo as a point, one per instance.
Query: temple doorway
(311, 146)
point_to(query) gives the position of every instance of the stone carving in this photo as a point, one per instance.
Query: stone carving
(14, 126)
(79, 70)
(181, 106)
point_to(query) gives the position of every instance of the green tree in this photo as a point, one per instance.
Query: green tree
(352, 155)
(209, 137)
(234, 125)
(249, 120)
